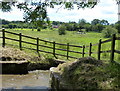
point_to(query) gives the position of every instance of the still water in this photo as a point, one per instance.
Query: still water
(38, 79)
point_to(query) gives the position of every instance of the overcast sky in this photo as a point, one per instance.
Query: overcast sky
(106, 9)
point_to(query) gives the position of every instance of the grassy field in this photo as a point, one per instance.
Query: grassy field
(71, 37)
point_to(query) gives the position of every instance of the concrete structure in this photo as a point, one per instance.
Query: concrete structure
(14, 67)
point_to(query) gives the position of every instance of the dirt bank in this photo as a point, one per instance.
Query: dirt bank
(86, 74)
(34, 61)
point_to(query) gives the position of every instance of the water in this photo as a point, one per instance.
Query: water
(34, 80)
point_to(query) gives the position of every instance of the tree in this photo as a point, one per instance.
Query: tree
(88, 28)
(5, 22)
(95, 21)
(82, 21)
(117, 26)
(5, 26)
(94, 28)
(38, 14)
(100, 27)
(109, 31)
(104, 22)
(62, 30)
(69, 27)
(55, 22)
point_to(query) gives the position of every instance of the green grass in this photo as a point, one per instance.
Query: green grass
(88, 74)
(71, 37)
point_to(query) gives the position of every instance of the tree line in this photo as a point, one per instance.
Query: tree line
(37, 14)
(20, 24)
(95, 25)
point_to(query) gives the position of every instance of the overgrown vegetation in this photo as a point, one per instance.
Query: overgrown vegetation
(109, 31)
(62, 30)
(89, 74)
(38, 29)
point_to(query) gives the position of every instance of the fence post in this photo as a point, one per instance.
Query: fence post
(54, 48)
(99, 49)
(37, 45)
(112, 47)
(90, 50)
(83, 51)
(3, 35)
(20, 41)
(67, 50)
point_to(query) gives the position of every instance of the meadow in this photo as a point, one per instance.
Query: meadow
(71, 37)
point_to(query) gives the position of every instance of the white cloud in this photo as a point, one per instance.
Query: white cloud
(104, 10)
(15, 14)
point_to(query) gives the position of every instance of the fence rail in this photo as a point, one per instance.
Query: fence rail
(67, 49)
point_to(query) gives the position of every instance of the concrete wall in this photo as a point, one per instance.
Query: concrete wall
(56, 82)
(14, 67)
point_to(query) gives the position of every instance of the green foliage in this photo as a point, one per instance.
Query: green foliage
(109, 31)
(104, 22)
(62, 30)
(39, 12)
(117, 26)
(6, 6)
(38, 29)
(5, 26)
(87, 26)
(100, 27)
(114, 70)
(69, 5)
(88, 74)
(95, 22)
(82, 21)
(97, 28)
(71, 26)
(16, 24)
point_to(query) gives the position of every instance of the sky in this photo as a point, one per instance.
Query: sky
(106, 9)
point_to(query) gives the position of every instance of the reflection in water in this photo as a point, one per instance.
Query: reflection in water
(34, 80)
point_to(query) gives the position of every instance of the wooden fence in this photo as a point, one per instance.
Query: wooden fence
(67, 50)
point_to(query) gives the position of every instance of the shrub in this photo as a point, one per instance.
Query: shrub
(109, 31)
(44, 27)
(62, 30)
(38, 29)
(117, 26)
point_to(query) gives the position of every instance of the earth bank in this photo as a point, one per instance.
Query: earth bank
(86, 74)
(14, 61)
